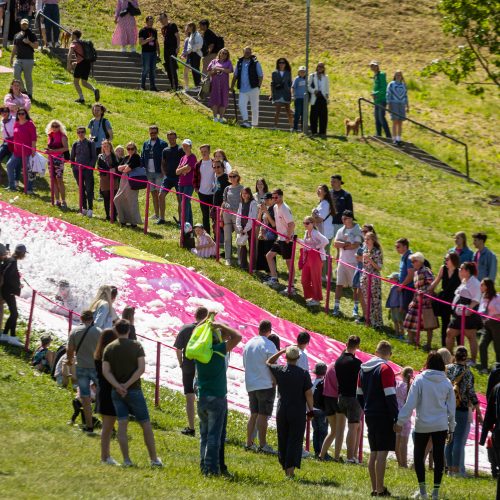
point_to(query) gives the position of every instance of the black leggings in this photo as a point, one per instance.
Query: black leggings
(438, 442)
(10, 324)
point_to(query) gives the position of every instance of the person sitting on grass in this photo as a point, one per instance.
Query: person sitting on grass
(43, 359)
(205, 245)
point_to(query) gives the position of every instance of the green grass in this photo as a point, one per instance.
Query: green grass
(401, 197)
(42, 457)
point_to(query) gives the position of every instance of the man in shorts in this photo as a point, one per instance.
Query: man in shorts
(77, 64)
(82, 343)
(377, 396)
(187, 367)
(347, 240)
(259, 385)
(347, 369)
(170, 158)
(124, 362)
(151, 156)
(285, 227)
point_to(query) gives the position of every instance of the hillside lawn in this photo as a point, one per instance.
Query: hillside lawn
(42, 456)
(375, 176)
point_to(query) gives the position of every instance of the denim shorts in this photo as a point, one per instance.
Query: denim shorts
(133, 403)
(156, 180)
(85, 376)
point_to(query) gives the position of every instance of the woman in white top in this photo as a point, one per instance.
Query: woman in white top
(220, 155)
(247, 211)
(489, 305)
(102, 307)
(193, 52)
(323, 218)
(468, 294)
(311, 262)
(319, 89)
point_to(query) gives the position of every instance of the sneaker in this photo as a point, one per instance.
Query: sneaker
(271, 281)
(385, 493)
(64, 205)
(417, 494)
(227, 262)
(154, 217)
(216, 120)
(246, 125)
(222, 120)
(360, 320)
(127, 463)
(187, 431)
(355, 312)
(293, 291)
(109, 461)
(339, 460)
(159, 222)
(84, 211)
(326, 458)
(252, 447)
(471, 363)
(352, 461)
(15, 342)
(336, 312)
(4, 338)
(268, 449)
(483, 371)
(57, 45)
(89, 214)
(88, 431)
(305, 454)
(80, 100)
(157, 462)
(97, 95)
(312, 303)
(58, 204)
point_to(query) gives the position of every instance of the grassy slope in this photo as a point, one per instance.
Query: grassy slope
(42, 457)
(374, 177)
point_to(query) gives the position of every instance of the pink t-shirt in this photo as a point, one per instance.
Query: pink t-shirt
(187, 179)
(331, 388)
(24, 134)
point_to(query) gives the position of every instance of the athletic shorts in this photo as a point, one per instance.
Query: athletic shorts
(381, 435)
(132, 404)
(82, 70)
(283, 248)
(156, 180)
(350, 407)
(345, 275)
(331, 405)
(188, 381)
(262, 401)
(170, 184)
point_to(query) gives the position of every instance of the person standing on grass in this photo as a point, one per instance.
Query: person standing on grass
(259, 385)
(295, 392)
(402, 435)
(231, 201)
(171, 44)
(219, 70)
(209, 48)
(299, 88)
(104, 402)
(99, 127)
(347, 240)
(83, 152)
(203, 183)
(212, 400)
(10, 288)
(319, 88)
(107, 164)
(342, 200)
(247, 77)
(188, 367)
(126, 28)
(489, 305)
(464, 253)
(185, 171)
(431, 394)
(285, 227)
(485, 259)
(82, 344)
(247, 212)
(406, 273)
(57, 149)
(124, 363)
(151, 157)
(397, 101)
(379, 96)
(24, 45)
(148, 40)
(376, 394)
(170, 159)
(281, 91)
(347, 369)
(80, 68)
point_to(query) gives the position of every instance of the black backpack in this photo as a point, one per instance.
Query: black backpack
(318, 397)
(219, 44)
(89, 52)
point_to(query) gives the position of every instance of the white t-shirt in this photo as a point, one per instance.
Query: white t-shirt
(8, 128)
(282, 216)
(490, 307)
(303, 361)
(255, 354)
(151, 162)
(323, 210)
(352, 235)
(206, 177)
(471, 289)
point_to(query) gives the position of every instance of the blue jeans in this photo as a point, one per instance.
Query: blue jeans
(212, 413)
(14, 172)
(52, 31)
(4, 152)
(148, 67)
(320, 430)
(380, 121)
(455, 451)
(299, 113)
(189, 212)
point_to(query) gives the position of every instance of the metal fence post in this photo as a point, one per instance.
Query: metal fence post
(183, 219)
(291, 274)
(462, 327)
(25, 169)
(30, 321)
(146, 210)
(328, 282)
(80, 186)
(419, 320)
(252, 247)
(368, 301)
(112, 197)
(157, 378)
(476, 444)
(217, 234)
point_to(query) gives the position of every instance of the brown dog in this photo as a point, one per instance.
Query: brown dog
(65, 39)
(352, 125)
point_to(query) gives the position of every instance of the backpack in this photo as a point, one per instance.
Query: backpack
(61, 351)
(89, 52)
(318, 396)
(219, 44)
(456, 388)
(200, 344)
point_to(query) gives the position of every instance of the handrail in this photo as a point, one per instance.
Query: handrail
(62, 28)
(204, 75)
(426, 127)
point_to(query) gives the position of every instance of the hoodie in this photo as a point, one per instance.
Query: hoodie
(431, 394)
(376, 389)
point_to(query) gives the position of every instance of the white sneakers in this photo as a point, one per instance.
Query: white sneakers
(89, 213)
(110, 461)
(157, 462)
(268, 450)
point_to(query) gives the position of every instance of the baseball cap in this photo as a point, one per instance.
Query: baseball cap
(21, 248)
(268, 196)
(198, 225)
(302, 68)
(338, 177)
(292, 352)
(188, 142)
(374, 63)
(24, 21)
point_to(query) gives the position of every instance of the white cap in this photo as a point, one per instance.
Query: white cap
(302, 68)
(189, 142)
(374, 63)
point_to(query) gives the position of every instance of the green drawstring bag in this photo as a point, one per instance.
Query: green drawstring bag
(199, 346)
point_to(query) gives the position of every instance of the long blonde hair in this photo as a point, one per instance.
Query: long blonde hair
(62, 128)
(104, 294)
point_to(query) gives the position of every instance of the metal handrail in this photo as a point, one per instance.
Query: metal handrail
(426, 127)
(62, 28)
(189, 66)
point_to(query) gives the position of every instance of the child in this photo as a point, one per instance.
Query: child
(205, 245)
(393, 303)
(402, 389)
(303, 339)
(299, 87)
(319, 422)
(78, 407)
(43, 359)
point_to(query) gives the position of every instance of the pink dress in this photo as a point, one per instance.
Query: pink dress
(126, 27)
(401, 395)
(219, 93)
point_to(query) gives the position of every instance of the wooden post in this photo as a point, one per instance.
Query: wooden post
(30, 321)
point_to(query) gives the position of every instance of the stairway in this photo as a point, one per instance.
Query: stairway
(414, 151)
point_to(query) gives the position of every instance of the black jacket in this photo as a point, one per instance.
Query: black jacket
(11, 279)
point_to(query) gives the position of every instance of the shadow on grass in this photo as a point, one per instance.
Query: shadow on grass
(41, 104)
(323, 481)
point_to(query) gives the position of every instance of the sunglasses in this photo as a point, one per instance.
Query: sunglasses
(4, 110)
(220, 166)
(21, 113)
(281, 62)
(307, 223)
(233, 176)
(55, 126)
(130, 149)
(80, 131)
(275, 197)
